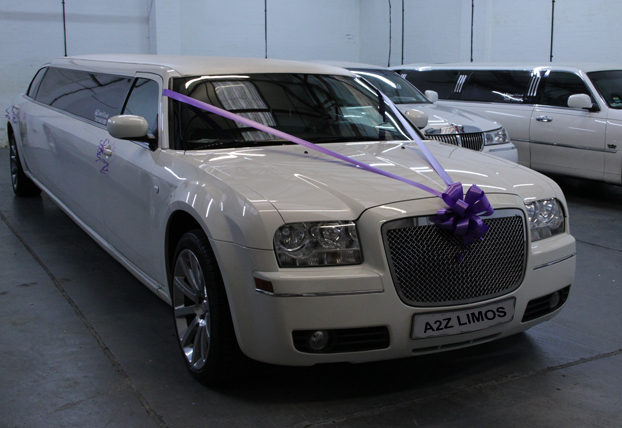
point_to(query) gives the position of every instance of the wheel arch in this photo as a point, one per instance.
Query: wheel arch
(179, 223)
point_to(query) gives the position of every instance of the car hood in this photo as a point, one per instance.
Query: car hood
(303, 184)
(440, 116)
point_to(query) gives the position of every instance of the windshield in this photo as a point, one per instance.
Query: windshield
(394, 86)
(316, 108)
(609, 85)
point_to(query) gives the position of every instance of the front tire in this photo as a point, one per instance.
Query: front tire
(22, 185)
(201, 312)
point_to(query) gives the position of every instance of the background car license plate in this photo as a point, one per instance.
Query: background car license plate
(463, 321)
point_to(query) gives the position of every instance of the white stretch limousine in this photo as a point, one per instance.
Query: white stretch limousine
(563, 118)
(289, 210)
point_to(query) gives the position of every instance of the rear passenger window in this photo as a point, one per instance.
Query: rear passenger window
(93, 96)
(143, 101)
(559, 86)
(441, 81)
(36, 81)
(496, 86)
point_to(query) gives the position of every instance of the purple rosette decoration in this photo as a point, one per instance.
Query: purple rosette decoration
(462, 217)
(12, 115)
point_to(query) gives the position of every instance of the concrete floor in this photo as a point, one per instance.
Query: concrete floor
(84, 344)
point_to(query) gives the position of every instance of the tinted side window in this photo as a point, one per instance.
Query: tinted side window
(36, 81)
(143, 101)
(496, 86)
(441, 81)
(93, 96)
(559, 86)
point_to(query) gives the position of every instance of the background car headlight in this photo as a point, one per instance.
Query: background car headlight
(546, 218)
(500, 136)
(317, 244)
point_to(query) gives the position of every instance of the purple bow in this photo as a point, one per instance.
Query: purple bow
(462, 216)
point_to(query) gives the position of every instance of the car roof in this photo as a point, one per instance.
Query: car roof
(351, 65)
(198, 65)
(563, 66)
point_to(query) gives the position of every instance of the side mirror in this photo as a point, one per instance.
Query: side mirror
(580, 101)
(128, 126)
(431, 95)
(419, 118)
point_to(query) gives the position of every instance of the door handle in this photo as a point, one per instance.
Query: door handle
(544, 119)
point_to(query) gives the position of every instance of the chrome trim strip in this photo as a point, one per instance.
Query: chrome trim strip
(501, 150)
(569, 146)
(460, 83)
(324, 294)
(533, 87)
(555, 261)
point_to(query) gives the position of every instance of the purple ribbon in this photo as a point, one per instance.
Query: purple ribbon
(462, 216)
(463, 212)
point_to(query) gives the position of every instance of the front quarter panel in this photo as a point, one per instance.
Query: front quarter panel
(236, 215)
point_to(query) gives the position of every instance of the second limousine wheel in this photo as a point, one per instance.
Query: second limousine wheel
(202, 317)
(22, 185)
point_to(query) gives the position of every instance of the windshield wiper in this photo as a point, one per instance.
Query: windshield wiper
(237, 144)
(342, 139)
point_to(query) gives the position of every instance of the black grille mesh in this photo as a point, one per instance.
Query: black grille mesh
(430, 266)
(474, 141)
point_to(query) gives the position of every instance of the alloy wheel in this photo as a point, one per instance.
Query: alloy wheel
(192, 309)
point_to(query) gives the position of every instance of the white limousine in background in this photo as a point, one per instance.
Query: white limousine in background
(563, 118)
(291, 255)
(447, 124)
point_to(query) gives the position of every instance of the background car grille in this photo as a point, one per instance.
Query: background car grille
(430, 266)
(474, 141)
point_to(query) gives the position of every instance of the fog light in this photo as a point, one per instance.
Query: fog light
(555, 299)
(318, 340)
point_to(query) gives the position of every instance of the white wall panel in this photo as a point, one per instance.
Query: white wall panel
(297, 29)
(512, 31)
(588, 31)
(318, 29)
(223, 28)
(113, 26)
(164, 27)
(437, 31)
(374, 29)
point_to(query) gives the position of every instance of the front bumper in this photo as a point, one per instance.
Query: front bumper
(364, 296)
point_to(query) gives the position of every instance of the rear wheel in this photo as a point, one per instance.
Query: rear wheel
(22, 185)
(202, 317)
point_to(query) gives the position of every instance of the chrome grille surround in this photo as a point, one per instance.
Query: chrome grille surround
(430, 266)
(472, 141)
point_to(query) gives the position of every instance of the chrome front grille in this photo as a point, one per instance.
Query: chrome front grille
(473, 141)
(430, 266)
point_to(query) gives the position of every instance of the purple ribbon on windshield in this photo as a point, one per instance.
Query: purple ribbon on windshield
(459, 211)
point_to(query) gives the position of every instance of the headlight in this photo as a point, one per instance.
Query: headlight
(500, 136)
(317, 244)
(546, 218)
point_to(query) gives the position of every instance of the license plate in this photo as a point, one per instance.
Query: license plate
(463, 321)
